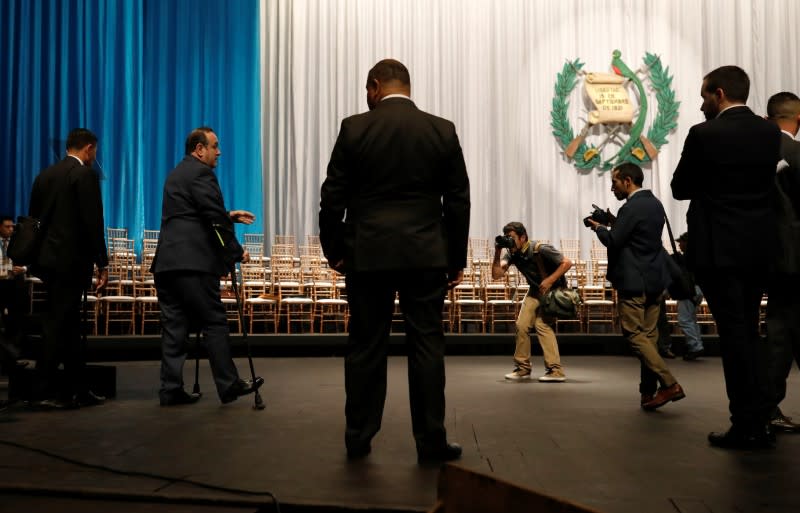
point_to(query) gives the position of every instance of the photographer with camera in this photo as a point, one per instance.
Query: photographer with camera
(527, 256)
(638, 271)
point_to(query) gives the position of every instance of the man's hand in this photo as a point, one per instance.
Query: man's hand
(594, 224)
(245, 257)
(339, 266)
(18, 269)
(545, 286)
(242, 216)
(454, 277)
(102, 279)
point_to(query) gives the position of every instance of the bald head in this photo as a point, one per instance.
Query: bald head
(387, 77)
(784, 109)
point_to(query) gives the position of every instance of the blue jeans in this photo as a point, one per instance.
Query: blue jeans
(687, 320)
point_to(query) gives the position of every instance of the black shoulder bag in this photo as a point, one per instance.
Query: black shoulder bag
(23, 247)
(682, 286)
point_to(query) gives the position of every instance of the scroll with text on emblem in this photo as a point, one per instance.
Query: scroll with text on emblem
(612, 105)
(610, 99)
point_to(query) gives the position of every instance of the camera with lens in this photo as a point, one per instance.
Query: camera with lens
(599, 215)
(503, 241)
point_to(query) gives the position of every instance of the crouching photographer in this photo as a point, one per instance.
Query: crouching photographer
(543, 267)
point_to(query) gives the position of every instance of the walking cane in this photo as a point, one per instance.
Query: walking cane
(196, 387)
(258, 402)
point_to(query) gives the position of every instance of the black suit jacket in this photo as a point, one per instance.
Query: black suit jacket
(191, 205)
(785, 263)
(727, 170)
(399, 175)
(636, 256)
(66, 199)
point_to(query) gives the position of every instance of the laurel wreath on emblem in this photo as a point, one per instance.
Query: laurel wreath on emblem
(588, 156)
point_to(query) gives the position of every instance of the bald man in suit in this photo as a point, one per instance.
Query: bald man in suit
(398, 174)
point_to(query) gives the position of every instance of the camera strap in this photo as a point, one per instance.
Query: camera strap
(539, 261)
(671, 238)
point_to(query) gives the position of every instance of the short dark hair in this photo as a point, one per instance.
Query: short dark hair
(630, 170)
(731, 79)
(3, 219)
(197, 136)
(515, 227)
(784, 105)
(388, 70)
(79, 138)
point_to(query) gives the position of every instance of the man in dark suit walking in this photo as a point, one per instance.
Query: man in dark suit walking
(399, 175)
(727, 170)
(187, 266)
(66, 199)
(638, 271)
(783, 324)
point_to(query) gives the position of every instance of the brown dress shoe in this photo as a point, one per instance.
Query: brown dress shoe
(665, 395)
(781, 422)
(646, 398)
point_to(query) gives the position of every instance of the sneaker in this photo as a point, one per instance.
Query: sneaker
(519, 374)
(553, 376)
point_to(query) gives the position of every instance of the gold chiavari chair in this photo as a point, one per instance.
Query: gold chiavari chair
(468, 304)
(597, 308)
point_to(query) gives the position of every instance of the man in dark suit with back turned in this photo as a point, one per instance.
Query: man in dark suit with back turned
(187, 266)
(399, 175)
(783, 323)
(727, 170)
(66, 199)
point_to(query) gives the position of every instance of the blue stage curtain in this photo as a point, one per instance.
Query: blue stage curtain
(140, 74)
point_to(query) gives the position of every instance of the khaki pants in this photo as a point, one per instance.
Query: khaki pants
(529, 317)
(638, 317)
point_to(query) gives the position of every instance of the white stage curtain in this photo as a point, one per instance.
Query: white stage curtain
(490, 66)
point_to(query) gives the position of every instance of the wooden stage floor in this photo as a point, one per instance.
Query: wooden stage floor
(585, 440)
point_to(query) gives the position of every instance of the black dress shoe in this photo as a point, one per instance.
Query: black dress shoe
(447, 452)
(178, 398)
(738, 439)
(357, 453)
(54, 404)
(4, 405)
(693, 355)
(90, 399)
(241, 387)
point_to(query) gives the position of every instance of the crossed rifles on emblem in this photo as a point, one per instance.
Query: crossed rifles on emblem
(612, 105)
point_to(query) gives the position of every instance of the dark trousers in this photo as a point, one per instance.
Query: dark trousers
(14, 300)
(783, 332)
(61, 337)
(371, 298)
(190, 303)
(734, 298)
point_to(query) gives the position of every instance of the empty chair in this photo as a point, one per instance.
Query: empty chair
(500, 308)
(597, 308)
(468, 304)
(571, 248)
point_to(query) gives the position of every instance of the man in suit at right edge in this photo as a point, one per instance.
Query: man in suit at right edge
(398, 174)
(727, 170)
(783, 323)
